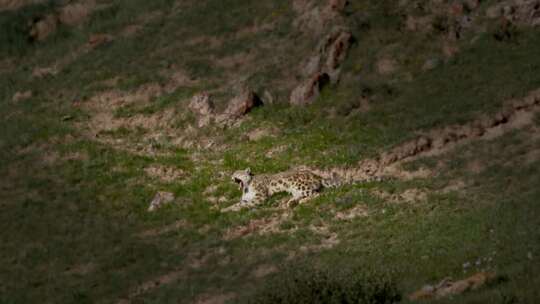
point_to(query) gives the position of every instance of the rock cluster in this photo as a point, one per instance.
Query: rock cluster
(204, 109)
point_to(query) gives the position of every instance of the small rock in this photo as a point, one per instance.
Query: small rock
(44, 27)
(386, 66)
(161, 198)
(20, 96)
(529, 255)
(431, 64)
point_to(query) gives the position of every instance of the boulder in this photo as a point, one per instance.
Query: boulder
(242, 104)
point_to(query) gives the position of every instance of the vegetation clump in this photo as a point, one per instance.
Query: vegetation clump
(305, 284)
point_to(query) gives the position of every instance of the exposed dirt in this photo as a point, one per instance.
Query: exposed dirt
(355, 212)
(264, 270)
(276, 150)
(156, 129)
(215, 298)
(260, 226)
(7, 5)
(328, 241)
(453, 186)
(165, 174)
(21, 96)
(448, 288)
(164, 230)
(412, 195)
(164, 279)
(260, 133)
(532, 156)
(81, 269)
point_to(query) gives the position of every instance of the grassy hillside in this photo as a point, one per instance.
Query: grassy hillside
(96, 120)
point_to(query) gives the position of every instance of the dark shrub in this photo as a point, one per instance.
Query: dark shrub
(305, 284)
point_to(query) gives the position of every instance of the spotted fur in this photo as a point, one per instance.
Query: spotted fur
(302, 185)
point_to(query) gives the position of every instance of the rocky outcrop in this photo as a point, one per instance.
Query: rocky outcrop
(330, 54)
(308, 91)
(322, 68)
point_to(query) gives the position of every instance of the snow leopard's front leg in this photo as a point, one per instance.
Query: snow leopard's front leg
(249, 199)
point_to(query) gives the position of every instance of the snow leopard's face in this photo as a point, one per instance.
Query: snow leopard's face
(242, 178)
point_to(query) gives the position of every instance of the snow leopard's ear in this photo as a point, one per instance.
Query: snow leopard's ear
(248, 171)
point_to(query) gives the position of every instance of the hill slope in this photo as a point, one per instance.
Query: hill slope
(107, 102)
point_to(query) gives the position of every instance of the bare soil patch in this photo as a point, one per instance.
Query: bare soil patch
(264, 270)
(257, 226)
(165, 174)
(215, 298)
(412, 195)
(155, 232)
(355, 212)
